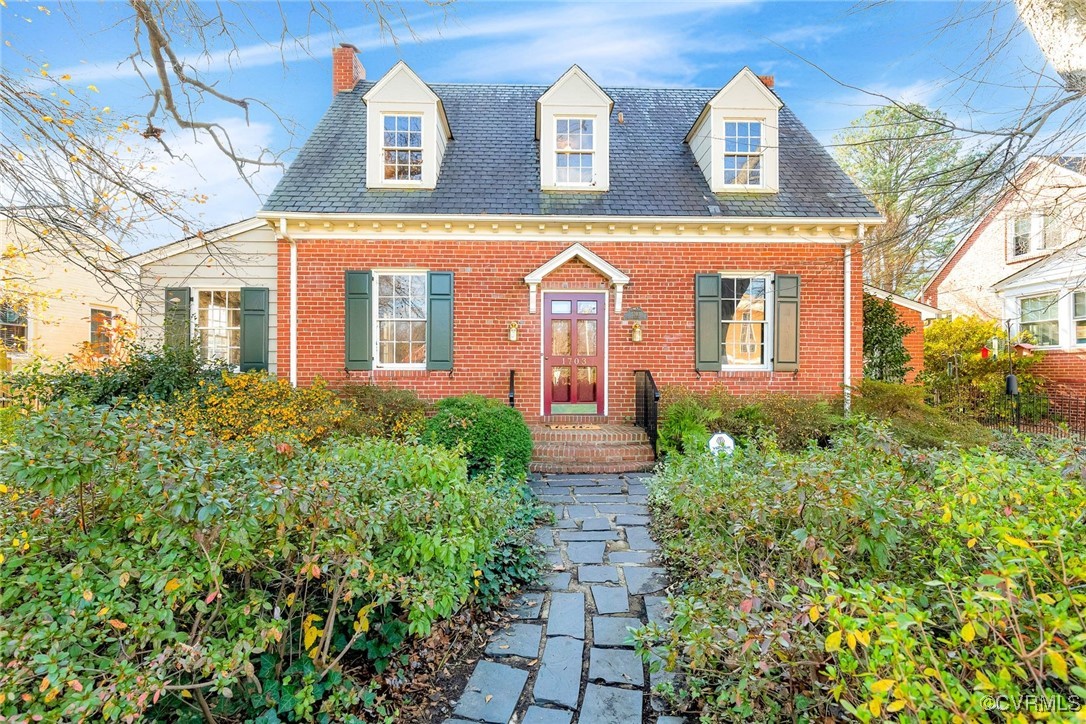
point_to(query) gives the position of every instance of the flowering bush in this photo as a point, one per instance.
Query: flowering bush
(870, 581)
(254, 404)
(154, 572)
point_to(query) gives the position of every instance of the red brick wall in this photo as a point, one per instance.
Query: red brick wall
(1063, 372)
(914, 340)
(490, 293)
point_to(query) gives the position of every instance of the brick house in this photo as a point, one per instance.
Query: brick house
(451, 238)
(1024, 264)
(916, 315)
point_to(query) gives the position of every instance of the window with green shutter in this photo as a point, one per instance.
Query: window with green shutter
(177, 320)
(746, 322)
(359, 320)
(254, 329)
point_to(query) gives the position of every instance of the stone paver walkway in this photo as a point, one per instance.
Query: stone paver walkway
(569, 658)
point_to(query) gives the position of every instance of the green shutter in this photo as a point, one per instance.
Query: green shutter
(786, 323)
(359, 321)
(707, 322)
(177, 320)
(254, 328)
(439, 321)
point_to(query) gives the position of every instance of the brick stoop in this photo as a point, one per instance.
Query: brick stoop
(612, 448)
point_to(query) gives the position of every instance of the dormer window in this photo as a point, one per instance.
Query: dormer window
(574, 151)
(735, 139)
(742, 153)
(402, 147)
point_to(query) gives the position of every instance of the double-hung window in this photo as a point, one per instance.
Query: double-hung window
(744, 321)
(743, 153)
(1023, 232)
(101, 337)
(1039, 316)
(218, 325)
(1078, 314)
(401, 146)
(400, 319)
(575, 149)
(13, 327)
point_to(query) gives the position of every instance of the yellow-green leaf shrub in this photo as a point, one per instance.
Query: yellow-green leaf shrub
(870, 581)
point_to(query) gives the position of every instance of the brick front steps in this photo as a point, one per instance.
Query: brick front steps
(613, 448)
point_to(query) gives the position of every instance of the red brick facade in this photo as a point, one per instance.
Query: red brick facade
(1063, 372)
(490, 293)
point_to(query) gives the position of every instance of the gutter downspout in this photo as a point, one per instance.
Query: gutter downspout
(293, 302)
(847, 376)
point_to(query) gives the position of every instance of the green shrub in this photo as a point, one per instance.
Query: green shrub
(955, 370)
(912, 420)
(885, 356)
(490, 432)
(149, 571)
(157, 374)
(687, 419)
(387, 412)
(868, 581)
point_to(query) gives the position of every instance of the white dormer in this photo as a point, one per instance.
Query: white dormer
(735, 139)
(406, 132)
(572, 124)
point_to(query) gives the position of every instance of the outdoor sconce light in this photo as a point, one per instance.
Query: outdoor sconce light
(635, 332)
(513, 327)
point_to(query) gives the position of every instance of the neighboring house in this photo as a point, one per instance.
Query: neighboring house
(1023, 264)
(221, 288)
(445, 237)
(916, 315)
(59, 299)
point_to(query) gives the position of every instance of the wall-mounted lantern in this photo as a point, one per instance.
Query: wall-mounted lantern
(635, 332)
(513, 327)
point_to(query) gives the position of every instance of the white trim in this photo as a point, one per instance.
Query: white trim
(926, 310)
(761, 154)
(534, 278)
(847, 324)
(293, 307)
(194, 312)
(557, 153)
(606, 349)
(375, 275)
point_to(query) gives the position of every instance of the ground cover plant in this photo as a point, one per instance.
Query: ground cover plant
(868, 580)
(155, 569)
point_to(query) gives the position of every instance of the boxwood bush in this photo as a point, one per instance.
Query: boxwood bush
(157, 572)
(867, 580)
(491, 434)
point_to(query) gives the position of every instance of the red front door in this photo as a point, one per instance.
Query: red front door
(573, 337)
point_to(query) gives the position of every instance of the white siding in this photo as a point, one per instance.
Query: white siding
(701, 145)
(246, 259)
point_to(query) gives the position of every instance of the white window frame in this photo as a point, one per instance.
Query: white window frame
(1040, 224)
(92, 308)
(725, 154)
(1075, 319)
(558, 152)
(27, 346)
(767, 324)
(421, 149)
(1055, 307)
(376, 328)
(195, 329)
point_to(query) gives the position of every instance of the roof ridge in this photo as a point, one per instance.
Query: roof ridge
(541, 85)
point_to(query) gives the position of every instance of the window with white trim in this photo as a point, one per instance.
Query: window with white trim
(1078, 317)
(744, 319)
(401, 146)
(400, 335)
(14, 327)
(1023, 231)
(101, 331)
(743, 153)
(1039, 316)
(218, 325)
(575, 149)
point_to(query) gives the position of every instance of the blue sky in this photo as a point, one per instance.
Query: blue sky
(832, 60)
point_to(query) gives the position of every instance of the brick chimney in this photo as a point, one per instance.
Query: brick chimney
(768, 80)
(347, 69)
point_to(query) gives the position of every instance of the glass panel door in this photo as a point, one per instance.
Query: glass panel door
(573, 354)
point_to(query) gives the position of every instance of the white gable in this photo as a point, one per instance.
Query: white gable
(744, 98)
(402, 92)
(574, 96)
(618, 279)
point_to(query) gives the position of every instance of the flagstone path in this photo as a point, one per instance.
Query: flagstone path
(567, 657)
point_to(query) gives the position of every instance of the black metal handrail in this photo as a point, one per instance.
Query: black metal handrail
(646, 404)
(512, 388)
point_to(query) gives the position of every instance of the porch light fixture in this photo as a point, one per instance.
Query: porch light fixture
(513, 327)
(635, 332)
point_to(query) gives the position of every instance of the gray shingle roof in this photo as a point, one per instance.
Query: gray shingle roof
(492, 165)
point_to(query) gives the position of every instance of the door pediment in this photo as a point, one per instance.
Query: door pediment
(617, 278)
